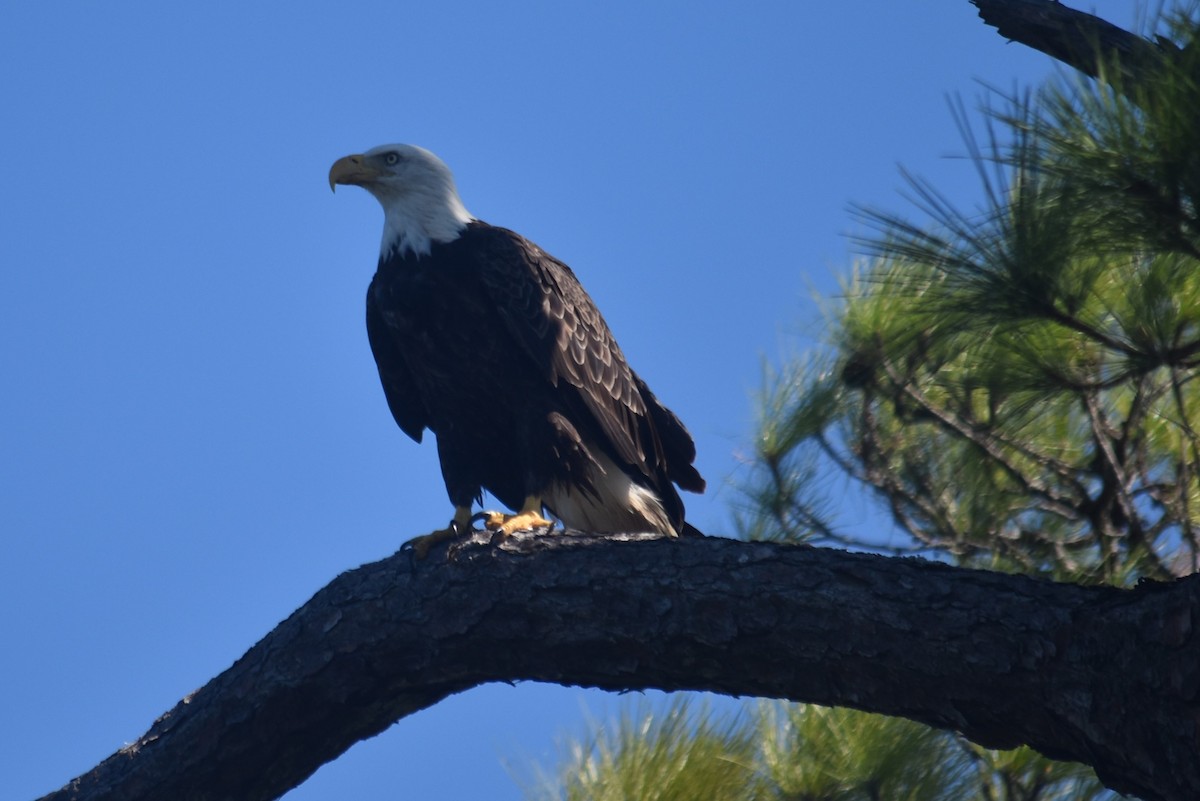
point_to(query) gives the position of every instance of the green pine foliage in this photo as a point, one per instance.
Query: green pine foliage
(1017, 381)
(775, 751)
(1017, 384)
(671, 753)
(823, 754)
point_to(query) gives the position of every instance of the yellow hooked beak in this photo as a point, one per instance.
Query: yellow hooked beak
(352, 170)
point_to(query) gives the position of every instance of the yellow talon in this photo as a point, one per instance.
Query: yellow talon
(530, 517)
(459, 525)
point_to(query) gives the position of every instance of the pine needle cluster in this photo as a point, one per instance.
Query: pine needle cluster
(1017, 381)
(680, 750)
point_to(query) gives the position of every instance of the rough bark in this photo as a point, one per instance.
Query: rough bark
(1103, 676)
(1080, 40)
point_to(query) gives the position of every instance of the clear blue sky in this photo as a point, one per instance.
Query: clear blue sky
(193, 437)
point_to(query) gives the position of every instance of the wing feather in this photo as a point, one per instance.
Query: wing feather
(399, 388)
(557, 323)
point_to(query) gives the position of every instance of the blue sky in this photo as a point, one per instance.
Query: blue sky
(193, 438)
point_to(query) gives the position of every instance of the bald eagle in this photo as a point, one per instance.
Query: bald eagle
(492, 344)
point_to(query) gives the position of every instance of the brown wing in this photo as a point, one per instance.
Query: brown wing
(547, 310)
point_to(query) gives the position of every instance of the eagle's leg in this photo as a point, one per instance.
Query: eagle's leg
(459, 525)
(530, 517)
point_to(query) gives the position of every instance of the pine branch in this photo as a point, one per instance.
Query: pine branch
(993, 443)
(1083, 41)
(1100, 675)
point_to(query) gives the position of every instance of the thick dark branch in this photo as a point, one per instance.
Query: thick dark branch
(1079, 40)
(1099, 675)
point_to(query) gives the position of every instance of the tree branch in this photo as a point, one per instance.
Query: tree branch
(1103, 676)
(1073, 37)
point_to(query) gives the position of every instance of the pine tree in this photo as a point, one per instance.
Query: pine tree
(1017, 384)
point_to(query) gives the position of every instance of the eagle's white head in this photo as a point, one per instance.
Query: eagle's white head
(416, 189)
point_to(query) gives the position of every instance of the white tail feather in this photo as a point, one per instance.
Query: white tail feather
(619, 505)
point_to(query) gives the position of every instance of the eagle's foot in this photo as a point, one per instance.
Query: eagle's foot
(422, 545)
(460, 526)
(530, 517)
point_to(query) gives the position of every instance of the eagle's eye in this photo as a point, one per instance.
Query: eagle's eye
(391, 159)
